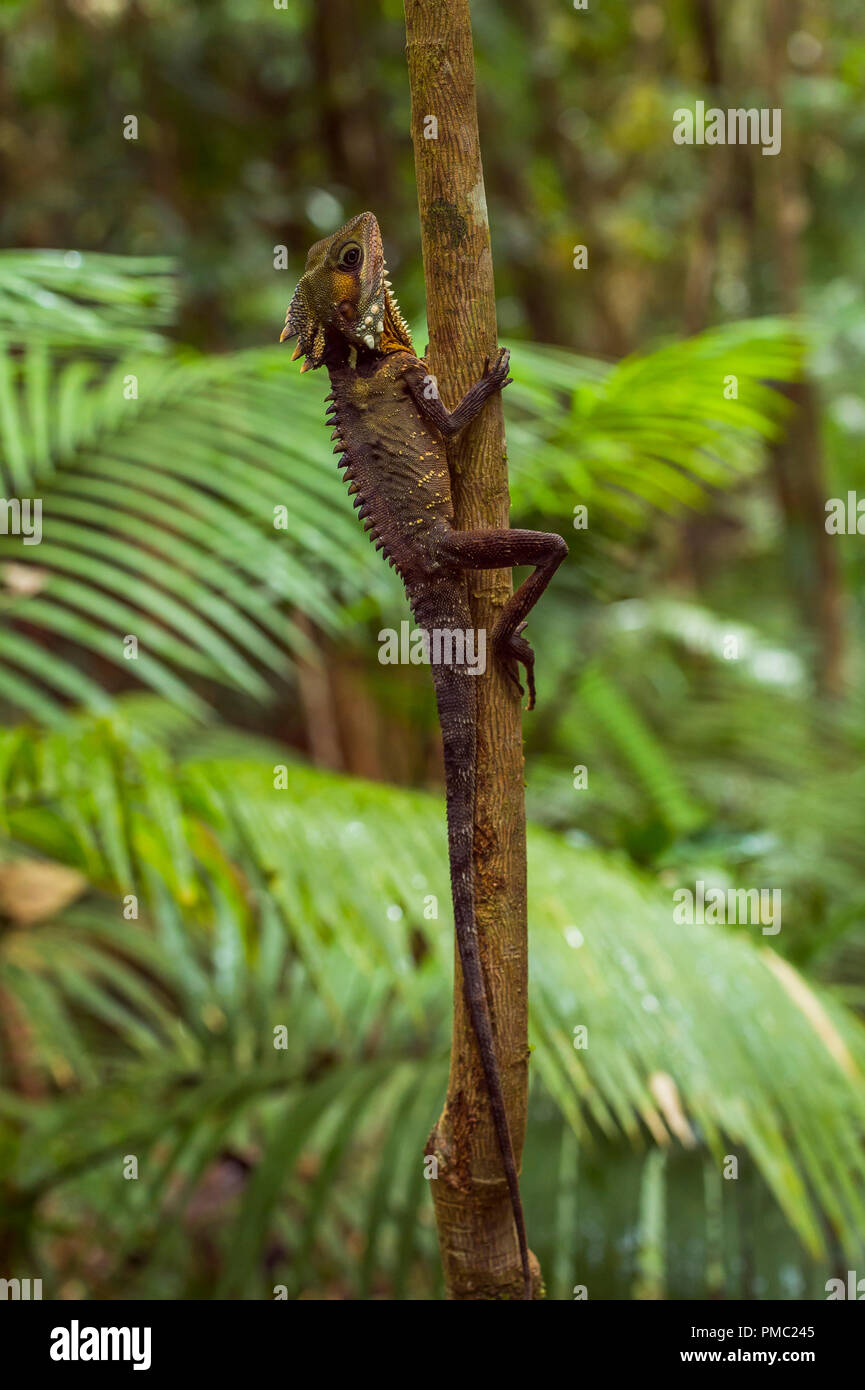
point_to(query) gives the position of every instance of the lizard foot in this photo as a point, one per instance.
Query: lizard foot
(495, 376)
(516, 651)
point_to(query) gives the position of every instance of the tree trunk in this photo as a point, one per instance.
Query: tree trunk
(702, 262)
(799, 464)
(473, 1211)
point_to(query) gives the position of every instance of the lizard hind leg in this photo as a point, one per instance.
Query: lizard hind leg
(503, 549)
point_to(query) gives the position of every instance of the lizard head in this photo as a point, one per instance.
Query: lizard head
(345, 288)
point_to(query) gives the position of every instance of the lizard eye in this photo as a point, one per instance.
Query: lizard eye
(351, 256)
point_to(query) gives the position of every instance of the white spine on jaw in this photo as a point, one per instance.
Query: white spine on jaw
(384, 301)
(371, 338)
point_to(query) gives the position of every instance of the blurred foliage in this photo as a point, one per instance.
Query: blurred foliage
(682, 655)
(159, 1034)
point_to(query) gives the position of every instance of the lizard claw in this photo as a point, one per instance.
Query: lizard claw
(497, 373)
(516, 651)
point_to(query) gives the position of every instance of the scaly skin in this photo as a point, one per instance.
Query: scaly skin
(390, 427)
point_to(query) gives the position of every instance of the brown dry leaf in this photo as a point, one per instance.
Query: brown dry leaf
(666, 1094)
(33, 889)
(24, 579)
(804, 998)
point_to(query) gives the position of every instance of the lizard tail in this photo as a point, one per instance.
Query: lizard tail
(456, 698)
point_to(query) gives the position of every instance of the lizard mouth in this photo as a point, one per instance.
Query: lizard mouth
(369, 326)
(378, 313)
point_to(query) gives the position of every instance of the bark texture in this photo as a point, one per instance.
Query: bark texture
(473, 1211)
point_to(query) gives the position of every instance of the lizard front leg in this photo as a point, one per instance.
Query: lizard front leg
(499, 549)
(494, 549)
(449, 422)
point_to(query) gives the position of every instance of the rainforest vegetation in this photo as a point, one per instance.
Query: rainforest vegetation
(225, 928)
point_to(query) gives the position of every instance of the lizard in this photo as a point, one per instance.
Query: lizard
(391, 427)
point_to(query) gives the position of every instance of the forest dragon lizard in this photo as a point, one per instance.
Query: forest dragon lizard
(390, 428)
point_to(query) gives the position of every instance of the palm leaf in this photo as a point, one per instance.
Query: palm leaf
(656, 433)
(692, 1030)
(160, 474)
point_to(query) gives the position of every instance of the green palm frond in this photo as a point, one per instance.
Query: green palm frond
(781, 778)
(655, 433)
(608, 705)
(709, 757)
(162, 474)
(183, 500)
(68, 298)
(695, 1035)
